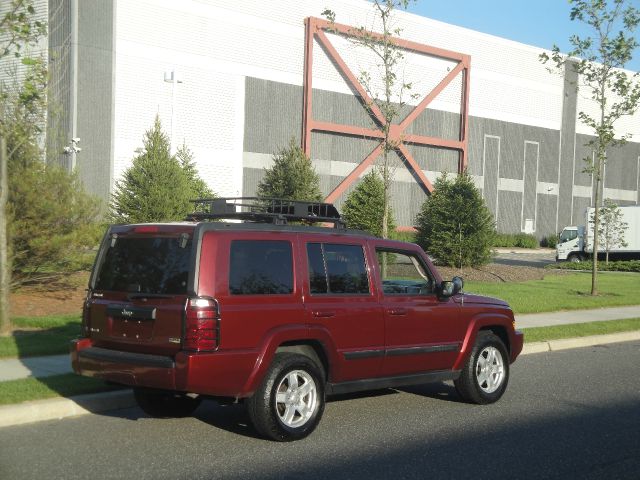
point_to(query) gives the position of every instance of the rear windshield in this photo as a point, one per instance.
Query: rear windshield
(156, 265)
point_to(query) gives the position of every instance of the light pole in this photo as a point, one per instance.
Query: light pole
(172, 77)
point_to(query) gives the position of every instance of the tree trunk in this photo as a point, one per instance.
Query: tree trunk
(5, 271)
(596, 223)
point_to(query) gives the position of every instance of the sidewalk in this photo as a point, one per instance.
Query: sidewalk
(39, 410)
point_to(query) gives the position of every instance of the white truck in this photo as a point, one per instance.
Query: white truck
(576, 242)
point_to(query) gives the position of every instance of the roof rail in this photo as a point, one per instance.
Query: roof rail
(266, 210)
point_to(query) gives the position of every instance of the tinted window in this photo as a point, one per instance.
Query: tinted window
(335, 268)
(403, 274)
(260, 267)
(317, 272)
(157, 265)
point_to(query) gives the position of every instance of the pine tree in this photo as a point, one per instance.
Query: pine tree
(158, 186)
(454, 224)
(361, 209)
(292, 177)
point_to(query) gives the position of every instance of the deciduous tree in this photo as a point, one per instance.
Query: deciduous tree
(600, 62)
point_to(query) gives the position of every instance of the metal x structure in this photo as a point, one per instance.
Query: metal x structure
(315, 29)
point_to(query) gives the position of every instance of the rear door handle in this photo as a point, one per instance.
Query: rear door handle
(397, 311)
(323, 314)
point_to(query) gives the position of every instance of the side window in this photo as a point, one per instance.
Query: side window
(403, 274)
(260, 267)
(337, 269)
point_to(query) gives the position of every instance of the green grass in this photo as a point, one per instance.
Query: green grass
(52, 336)
(563, 292)
(557, 332)
(70, 384)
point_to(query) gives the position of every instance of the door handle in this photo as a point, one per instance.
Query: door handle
(397, 311)
(325, 314)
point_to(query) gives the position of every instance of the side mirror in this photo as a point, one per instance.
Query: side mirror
(450, 288)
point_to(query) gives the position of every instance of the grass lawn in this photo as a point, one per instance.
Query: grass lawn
(35, 336)
(557, 332)
(563, 292)
(17, 391)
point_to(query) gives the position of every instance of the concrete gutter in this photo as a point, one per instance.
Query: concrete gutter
(58, 408)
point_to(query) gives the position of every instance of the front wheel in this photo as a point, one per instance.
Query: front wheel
(485, 374)
(575, 258)
(289, 403)
(165, 404)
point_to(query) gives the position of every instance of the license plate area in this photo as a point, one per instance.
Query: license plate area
(131, 329)
(131, 322)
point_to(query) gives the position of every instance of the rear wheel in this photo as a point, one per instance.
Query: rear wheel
(575, 258)
(485, 374)
(165, 404)
(289, 403)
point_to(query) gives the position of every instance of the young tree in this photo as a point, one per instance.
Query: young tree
(616, 93)
(19, 29)
(157, 187)
(361, 209)
(292, 177)
(389, 98)
(611, 229)
(454, 225)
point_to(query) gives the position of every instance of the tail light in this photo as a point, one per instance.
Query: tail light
(202, 325)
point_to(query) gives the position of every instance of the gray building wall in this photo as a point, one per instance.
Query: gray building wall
(524, 172)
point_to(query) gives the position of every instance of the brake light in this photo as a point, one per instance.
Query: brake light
(146, 229)
(202, 325)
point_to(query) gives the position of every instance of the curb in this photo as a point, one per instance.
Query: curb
(569, 343)
(58, 408)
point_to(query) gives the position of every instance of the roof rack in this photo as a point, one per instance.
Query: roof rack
(266, 210)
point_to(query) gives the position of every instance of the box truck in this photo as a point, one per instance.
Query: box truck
(576, 242)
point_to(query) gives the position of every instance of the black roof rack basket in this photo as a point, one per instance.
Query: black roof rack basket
(266, 210)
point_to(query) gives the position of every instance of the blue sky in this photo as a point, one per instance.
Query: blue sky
(535, 22)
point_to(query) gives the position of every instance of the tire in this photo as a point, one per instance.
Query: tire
(289, 402)
(573, 258)
(485, 374)
(165, 404)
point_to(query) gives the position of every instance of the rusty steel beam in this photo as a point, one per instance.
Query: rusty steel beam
(315, 29)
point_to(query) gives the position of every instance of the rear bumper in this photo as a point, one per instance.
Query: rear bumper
(217, 374)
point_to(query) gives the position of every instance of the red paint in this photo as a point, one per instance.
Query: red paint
(253, 327)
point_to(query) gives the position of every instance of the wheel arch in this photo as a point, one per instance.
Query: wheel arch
(495, 323)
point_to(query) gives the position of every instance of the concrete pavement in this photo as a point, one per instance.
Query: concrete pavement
(38, 410)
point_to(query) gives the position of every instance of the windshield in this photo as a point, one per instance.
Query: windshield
(154, 265)
(568, 235)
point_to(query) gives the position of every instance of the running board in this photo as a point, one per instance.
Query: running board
(391, 382)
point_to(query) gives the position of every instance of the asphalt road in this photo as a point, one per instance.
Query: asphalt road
(569, 414)
(524, 259)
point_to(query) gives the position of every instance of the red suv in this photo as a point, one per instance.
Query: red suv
(281, 315)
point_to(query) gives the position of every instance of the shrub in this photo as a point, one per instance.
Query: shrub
(454, 224)
(404, 236)
(363, 207)
(158, 186)
(292, 176)
(550, 241)
(616, 266)
(520, 240)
